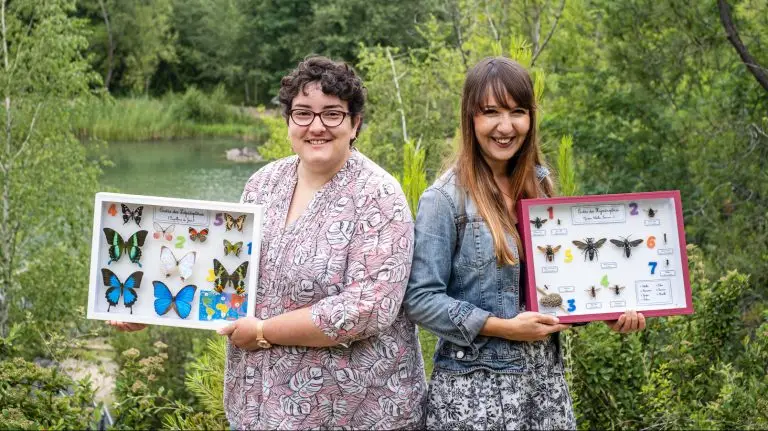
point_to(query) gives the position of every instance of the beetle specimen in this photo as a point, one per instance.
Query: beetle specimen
(549, 251)
(626, 244)
(558, 222)
(667, 264)
(617, 289)
(589, 247)
(651, 212)
(592, 290)
(538, 222)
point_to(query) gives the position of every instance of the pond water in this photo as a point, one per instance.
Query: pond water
(182, 168)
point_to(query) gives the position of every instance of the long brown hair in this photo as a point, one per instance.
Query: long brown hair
(503, 78)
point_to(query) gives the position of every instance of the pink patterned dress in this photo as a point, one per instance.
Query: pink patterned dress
(348, 257)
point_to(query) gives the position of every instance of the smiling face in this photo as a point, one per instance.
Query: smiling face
(500, 129)
(321, 148)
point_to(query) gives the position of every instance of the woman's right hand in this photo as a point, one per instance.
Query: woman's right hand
(126, 326)
(527, 326)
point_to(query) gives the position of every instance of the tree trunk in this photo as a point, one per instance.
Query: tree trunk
(111, 49)
(733, 36)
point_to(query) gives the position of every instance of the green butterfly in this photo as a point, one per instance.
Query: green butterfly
(131, 246)
(223, 277)
(230, 248)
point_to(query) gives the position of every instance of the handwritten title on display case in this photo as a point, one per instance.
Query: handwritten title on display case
(189, 216)
(598, 214)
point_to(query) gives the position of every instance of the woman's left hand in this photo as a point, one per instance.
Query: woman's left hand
(630, 321)
(242, 333)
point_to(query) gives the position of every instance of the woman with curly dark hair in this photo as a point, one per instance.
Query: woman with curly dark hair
(329, 346)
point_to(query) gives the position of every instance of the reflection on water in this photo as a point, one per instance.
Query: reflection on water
(192, 169)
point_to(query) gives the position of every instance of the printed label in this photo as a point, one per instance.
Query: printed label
(598, 214)
(621, 303)
(551, 313)
(652, 222)
(539, 232)
(663, 251)
(594, 305)
(608, 265)
(566, 289)
(667, 273)
(653, 292)
(559, 231)
(176, 215)
(549, 269)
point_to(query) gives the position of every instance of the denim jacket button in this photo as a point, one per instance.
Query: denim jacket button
(459, 354)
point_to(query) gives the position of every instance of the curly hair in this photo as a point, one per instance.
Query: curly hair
(335, 78)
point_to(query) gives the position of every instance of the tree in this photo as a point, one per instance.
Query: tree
(46, 181)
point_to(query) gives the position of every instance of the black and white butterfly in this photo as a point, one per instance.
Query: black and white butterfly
(135, 214)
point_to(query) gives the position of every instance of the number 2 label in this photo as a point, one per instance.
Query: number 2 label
(634, 209)
(180, 240)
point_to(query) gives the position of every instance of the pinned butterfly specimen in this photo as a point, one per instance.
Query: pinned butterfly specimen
(170, 264)
(236, 222)
(118, 247)
(164, 232)
(182, 302)
(201, 236)
(230, 248)
(116, 289)
(135, 214)
(224, 278)
(112, 210)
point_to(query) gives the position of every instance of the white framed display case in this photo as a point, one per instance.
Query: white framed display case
(175, 262)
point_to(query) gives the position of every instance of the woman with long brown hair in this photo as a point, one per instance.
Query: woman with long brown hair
(496, 365)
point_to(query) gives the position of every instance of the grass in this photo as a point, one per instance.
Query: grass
(192, 114)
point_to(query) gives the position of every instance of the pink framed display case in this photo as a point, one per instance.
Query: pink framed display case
(594, 257)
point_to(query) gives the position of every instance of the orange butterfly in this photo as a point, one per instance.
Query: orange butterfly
(200, 236)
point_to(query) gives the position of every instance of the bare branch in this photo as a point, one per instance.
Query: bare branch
(551, 32)
(490, 22)
(29, 133)
(399, 97)
(733, 37)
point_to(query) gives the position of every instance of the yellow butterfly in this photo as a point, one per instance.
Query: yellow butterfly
(236, 222)
(230, 248)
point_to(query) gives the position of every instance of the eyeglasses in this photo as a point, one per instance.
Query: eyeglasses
(305, 117)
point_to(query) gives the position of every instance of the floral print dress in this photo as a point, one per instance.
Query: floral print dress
(347, 257)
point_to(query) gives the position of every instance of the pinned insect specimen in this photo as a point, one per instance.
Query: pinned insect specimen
(667, 263)
(538, 222)
(626, 244)
(558, 222)
(652, 212)
(589, 247)
(550, 299)
(549, 251)
(592, 290)
(617, 289)
(665, 238)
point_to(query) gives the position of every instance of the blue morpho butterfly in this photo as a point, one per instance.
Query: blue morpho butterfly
(182, 302)
(131, 246)
(117, 289)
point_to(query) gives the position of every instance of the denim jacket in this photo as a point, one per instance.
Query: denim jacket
(455, 283)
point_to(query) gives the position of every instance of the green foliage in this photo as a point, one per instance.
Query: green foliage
(141, 397)
(205, 380)
(565, 167)
(414, 178)
(278, 145)
(191, 114)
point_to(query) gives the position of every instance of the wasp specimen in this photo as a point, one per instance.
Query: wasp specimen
(617, 289)
(652, 212)
(549, 251)
(589, 247)
(538, 222)
(626, 244)
(592, 291)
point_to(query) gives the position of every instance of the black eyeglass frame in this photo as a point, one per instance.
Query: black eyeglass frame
(318, 114)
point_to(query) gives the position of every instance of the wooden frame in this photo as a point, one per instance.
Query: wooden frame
(648, 273)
